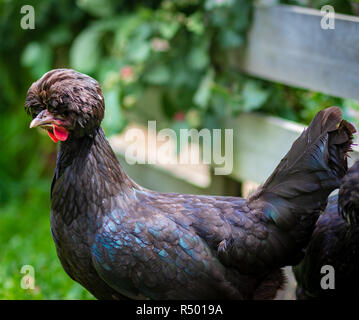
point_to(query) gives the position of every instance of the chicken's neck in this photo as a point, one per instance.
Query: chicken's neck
(87, 170)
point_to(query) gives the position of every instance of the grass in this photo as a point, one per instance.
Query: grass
(25, 239)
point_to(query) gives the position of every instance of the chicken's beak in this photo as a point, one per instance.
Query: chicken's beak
(43, 119)
(55, 127)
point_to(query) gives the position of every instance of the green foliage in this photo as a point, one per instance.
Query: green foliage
(27, 160)
(177, 48)
(26, 240)
(180, 47)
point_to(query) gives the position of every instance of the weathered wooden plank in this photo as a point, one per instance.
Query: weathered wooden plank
(287, 44)
(168, 177)
(260, 142)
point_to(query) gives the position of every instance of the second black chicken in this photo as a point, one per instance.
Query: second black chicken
(335, 243)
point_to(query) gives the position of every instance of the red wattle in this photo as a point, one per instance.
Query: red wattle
(53, 138)
(60, 132)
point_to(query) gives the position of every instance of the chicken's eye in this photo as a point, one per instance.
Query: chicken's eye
(60, 110)
(35, 110)
(64, 113)
(52, 109)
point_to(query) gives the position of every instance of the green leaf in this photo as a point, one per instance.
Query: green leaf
(195, 23)
(203, 93)
(138, 51)
(97, 8)
(168, 29)
(113, 121)
(85, 52)
(60, 35)
(158, 75)
(31, 54)
(253, 96)
(198, 58)
(37, 57)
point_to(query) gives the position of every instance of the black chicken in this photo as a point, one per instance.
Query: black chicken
(335, 242)
(120, 240)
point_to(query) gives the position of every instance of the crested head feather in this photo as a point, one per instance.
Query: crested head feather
(68, 92)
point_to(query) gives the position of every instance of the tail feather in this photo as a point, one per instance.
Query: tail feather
(298, 189)
(322, 149)
(325, 121)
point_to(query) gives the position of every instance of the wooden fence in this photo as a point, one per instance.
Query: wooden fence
(285, 44)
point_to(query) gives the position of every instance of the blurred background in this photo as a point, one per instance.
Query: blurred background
(173, 52)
